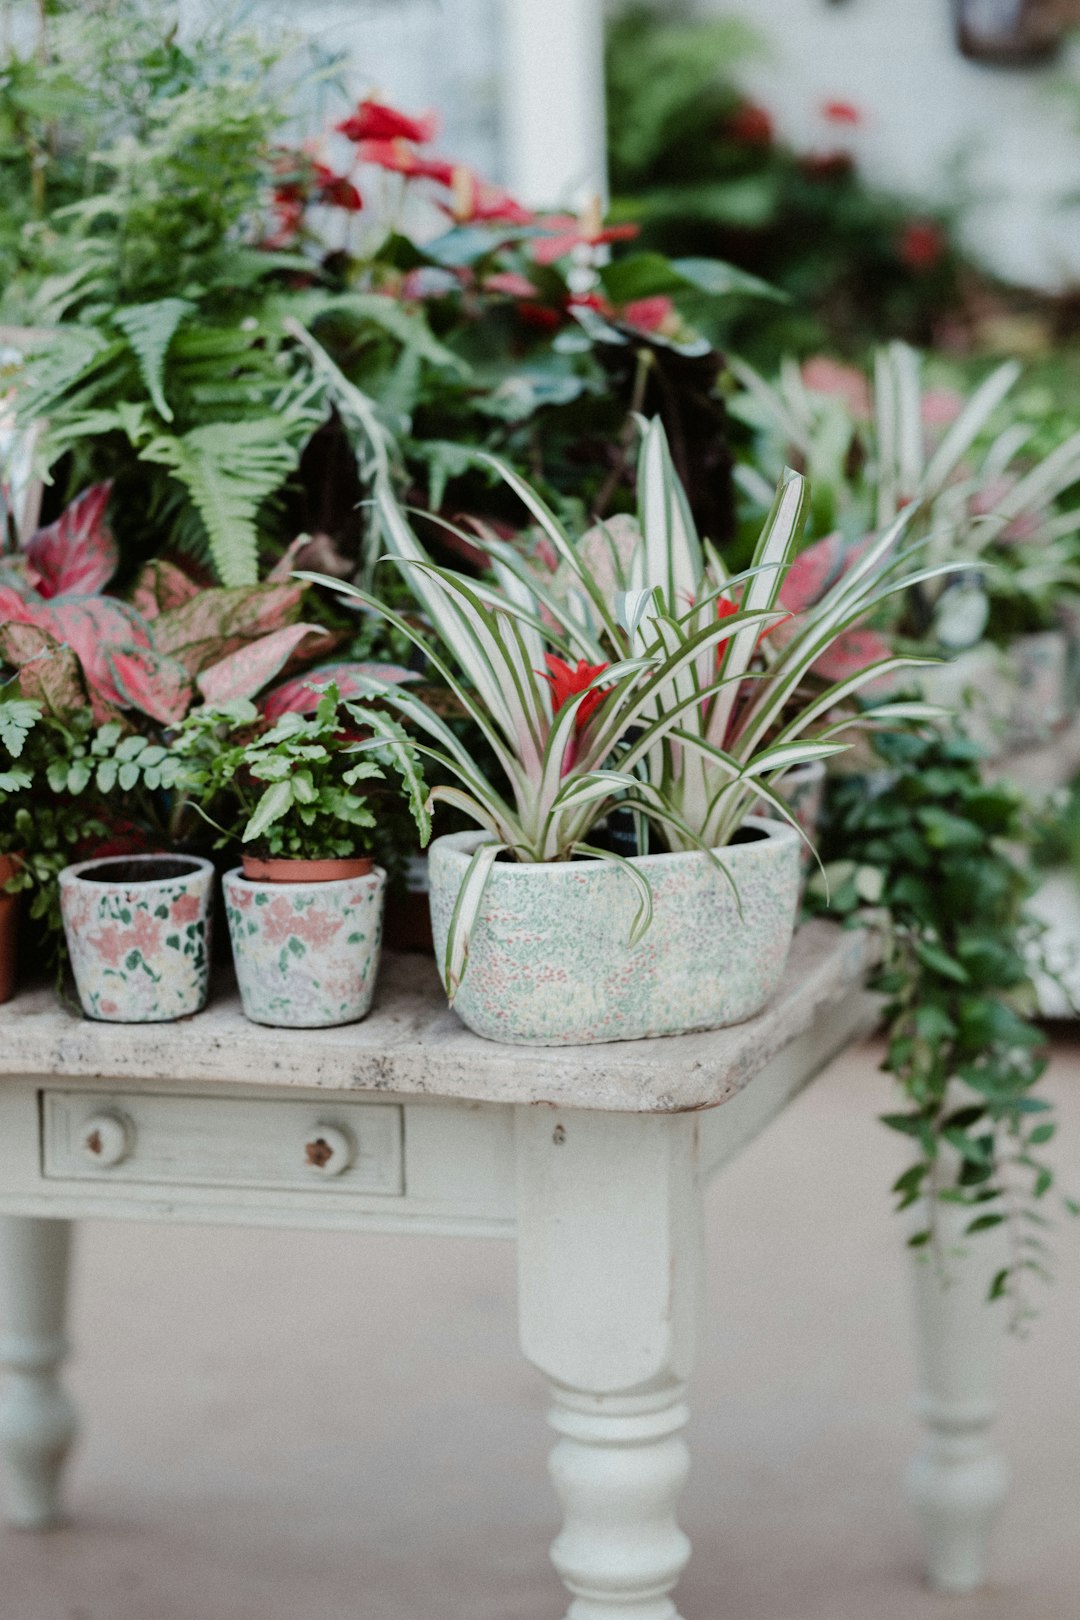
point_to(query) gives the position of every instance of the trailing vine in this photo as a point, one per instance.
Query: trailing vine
(941, 851)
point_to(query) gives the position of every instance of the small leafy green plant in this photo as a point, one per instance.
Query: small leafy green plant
(294, 791)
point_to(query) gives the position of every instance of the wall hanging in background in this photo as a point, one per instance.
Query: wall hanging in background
(1012, 33)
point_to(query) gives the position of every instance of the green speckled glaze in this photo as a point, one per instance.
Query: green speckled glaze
(549, 963)
(139, 949)
(306, 954)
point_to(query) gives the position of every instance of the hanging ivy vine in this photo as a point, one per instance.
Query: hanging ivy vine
(945, 855)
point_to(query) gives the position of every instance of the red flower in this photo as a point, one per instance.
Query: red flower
(648, 314)
(542, 316)
(751, 125)
(921, 244)
(569, 232)
(398, 155)
(841, 112)
(374, 121)
(475, 199)
(511, 284)
(591, 300)
(566, 682)
(335, 189)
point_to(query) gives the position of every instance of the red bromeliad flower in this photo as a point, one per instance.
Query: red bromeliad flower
(841, 112)
(750, 124)
(398, 155)
(336, 190)
(374, 121)
(922, 244)
(566, 682)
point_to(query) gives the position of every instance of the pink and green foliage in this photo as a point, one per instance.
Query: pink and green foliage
(172, 645)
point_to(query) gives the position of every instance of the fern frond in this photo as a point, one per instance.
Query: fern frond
(54, 368)
(229, 469)
(149, 329)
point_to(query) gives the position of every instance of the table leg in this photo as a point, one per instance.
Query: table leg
(958, 1481)
(609, 1260)
(37, 1420)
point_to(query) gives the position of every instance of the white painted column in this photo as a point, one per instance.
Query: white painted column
(37, 1420)
(958, 1481)
(609, 1259)
(553, 101)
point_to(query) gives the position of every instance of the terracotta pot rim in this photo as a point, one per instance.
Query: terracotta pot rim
(75, 873)
(10, 864)
(279, 869)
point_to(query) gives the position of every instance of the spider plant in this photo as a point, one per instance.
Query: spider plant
(653, 695)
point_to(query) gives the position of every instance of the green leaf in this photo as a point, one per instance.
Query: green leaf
(149, 329)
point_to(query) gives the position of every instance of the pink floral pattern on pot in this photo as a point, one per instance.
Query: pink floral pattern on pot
(138, 935)
(549, 963)
(306, 954)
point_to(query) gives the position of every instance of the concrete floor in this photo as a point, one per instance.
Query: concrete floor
(281, 1426)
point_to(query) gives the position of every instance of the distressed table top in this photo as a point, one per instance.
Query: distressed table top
(411, 1043)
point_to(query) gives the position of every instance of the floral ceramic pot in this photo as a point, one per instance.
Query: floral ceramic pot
(549, 963)
(306, 954)
(9, 928)
(138, 934)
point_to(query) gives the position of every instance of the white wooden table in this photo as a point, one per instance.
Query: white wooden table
(593, 1159)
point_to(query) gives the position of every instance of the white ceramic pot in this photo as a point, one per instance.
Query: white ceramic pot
(306, 954)
(138, 934)
(1041, 664)
(549, 963)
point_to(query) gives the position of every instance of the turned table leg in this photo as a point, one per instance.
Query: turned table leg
(609, 1259)
(37, 1420)
(957, 1483)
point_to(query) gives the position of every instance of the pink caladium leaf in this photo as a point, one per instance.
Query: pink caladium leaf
(89, 625)
(77, 553)
(218, 622)
(50, 674)
(244, 673)
(812, 572)
(289, 560)
(151, 682)
(160, 587)
(300, 694)
(15, 608)
(850, 652)
(19, 642)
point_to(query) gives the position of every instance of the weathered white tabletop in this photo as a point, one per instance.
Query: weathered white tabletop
(592, 1158)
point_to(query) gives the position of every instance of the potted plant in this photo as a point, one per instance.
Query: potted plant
(305, 906)
(650, 701)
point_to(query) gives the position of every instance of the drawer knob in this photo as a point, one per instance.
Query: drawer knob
(329, 1150)
(106, 1139)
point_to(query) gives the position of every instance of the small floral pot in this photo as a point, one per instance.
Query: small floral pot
(138, 934)
(306, 954)
(9, 928)
(549, 963)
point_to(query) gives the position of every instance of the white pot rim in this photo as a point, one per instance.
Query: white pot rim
(462, 845)
(71, 875)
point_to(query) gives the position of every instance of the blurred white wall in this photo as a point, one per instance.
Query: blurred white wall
(923, 105)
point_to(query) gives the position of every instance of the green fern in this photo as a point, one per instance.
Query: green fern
(57, 364)
(149, 329)
(229, 469)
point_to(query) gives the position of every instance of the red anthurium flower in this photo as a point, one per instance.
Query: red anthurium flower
(477, 200)
(841, 112)
(399, 156)
(566, 682)
(543, 316)
(922, 244)
(374, 121)
(648, 314)
(335, 189)
(569, 232)
(725, 607)
(751, 125)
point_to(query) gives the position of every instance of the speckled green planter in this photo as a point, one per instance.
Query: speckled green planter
(306, 954)
(549, 963)
(138, 934)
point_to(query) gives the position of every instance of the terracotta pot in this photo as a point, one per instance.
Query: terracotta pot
(279, 869)
(138, 934)
(9, 927)
(550, 964)
(306, 954)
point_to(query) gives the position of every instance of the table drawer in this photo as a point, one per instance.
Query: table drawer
(165, 1139)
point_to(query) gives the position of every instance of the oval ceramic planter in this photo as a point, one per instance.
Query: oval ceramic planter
(9, 928)
(549, 963)
(306, 954)
(138, 934)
